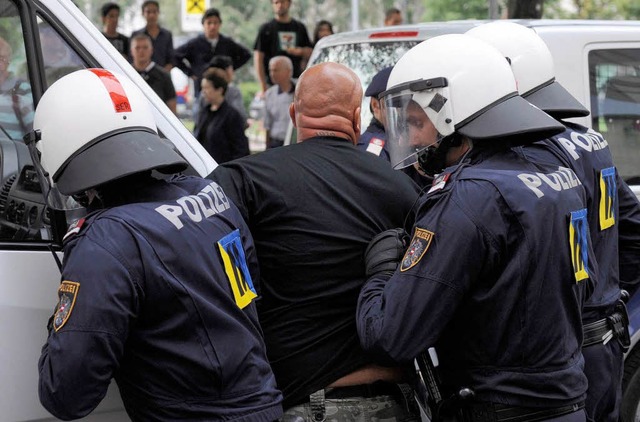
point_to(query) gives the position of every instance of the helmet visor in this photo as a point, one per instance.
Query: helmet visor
(409, 129)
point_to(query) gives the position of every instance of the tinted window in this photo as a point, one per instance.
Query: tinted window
(614, 79)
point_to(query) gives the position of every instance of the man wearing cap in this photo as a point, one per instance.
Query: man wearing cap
(500, 261)
(374, 139)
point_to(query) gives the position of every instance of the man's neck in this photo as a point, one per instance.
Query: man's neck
(283, 19)
(153, 27)
(140, 66)
(286, 86)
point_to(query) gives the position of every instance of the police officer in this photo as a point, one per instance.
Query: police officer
(374, 138)
(498, 266)
(587, 153)
(156, 285)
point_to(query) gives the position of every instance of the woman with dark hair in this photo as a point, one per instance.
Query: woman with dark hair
(323, 28)
(220, 127)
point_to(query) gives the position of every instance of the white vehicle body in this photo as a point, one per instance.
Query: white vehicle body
(29, 275)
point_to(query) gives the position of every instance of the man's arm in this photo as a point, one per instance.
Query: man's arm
(240, 55)
(181, 57)
(87, 334)
(258, 63)
(629, 238)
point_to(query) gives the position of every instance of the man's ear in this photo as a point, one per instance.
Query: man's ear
(292, 114)
(356, 121)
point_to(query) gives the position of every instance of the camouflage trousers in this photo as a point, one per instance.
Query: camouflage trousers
(356, 409)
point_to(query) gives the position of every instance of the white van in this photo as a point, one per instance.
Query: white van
(48, 39)
(597, 61)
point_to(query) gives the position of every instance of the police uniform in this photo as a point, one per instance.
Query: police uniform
(374, 138)
(587, 153)
(158, 294)
(312, 208)
(494, 277)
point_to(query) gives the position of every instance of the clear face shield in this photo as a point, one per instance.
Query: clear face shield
(65, 207)
(411, 110)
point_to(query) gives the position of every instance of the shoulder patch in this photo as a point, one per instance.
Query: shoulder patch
(417, 248)
(236, 269)
(439, 182)
(74, 229)
(375, 146)
(67, 293)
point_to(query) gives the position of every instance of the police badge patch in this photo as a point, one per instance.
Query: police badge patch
(67, 293)
(419, 245)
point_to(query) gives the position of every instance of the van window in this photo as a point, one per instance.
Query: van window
(365, 59)
(614, 80)
(23, 215)
(16, 101)
(59, 58)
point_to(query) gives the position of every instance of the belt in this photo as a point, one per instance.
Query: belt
(605, 329)
(596, 332)
(493, 412)
(378, 388)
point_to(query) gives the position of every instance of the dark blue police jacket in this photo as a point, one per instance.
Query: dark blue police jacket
(610, 204)
(495, 278)
(158, 295)
(377, 137)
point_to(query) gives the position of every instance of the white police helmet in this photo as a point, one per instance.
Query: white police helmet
(464, 86)
(92, 127)
(533, 67)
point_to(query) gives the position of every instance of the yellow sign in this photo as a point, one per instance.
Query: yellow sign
(195, 7)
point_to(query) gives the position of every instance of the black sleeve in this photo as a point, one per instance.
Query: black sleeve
(240, 56)
(179, 55)
(235, 133)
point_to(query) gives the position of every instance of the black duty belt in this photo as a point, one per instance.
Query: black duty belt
(615, 326)
(379, 388)
(493, 412)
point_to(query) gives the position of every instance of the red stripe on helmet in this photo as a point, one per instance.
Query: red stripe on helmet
(114, 88)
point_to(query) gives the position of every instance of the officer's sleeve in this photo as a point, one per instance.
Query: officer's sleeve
(446, 254)
(97, 301)
(629, 238)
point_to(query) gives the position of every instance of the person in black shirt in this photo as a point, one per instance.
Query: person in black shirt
(157, 78)
(282, 35)
(312, 208)
(110, 14)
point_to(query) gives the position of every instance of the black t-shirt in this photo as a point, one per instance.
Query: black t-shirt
(312, 208)
(275, 37)
(160, 81)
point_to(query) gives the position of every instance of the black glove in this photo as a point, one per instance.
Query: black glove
(385, 252)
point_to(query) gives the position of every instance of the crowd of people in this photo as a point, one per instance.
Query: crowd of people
(151, 51)
(465, 230)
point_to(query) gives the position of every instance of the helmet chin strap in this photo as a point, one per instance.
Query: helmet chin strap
(433, 159)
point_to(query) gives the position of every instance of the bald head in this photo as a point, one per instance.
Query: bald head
(327, 102)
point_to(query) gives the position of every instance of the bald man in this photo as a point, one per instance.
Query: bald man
(312, 208)
(277, 100)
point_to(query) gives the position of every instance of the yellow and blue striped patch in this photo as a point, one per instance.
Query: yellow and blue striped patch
(235, 266)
